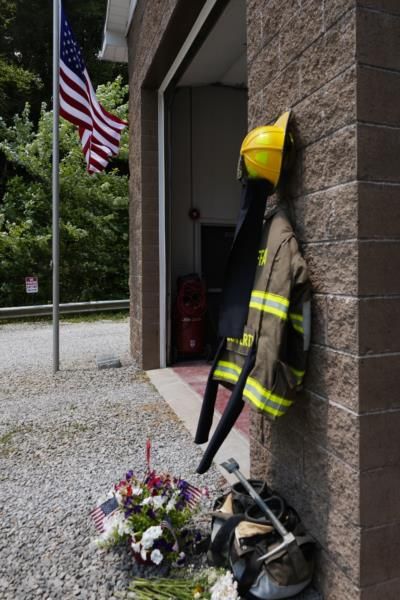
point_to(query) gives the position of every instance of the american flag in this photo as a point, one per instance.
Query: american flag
(99, 513)
(194, 494)
(99, 130)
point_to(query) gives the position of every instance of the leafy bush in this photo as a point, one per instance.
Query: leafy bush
(93, 212)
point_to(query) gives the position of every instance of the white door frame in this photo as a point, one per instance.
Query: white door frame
(201, 19)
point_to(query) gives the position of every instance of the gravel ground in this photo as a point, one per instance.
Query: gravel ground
(64, 440)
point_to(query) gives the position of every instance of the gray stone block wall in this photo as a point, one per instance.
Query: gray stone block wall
(378, 102)
(336, 455)
(312, 456)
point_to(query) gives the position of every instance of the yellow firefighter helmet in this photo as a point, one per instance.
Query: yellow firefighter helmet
(263, 147)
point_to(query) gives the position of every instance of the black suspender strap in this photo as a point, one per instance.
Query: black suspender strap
(242, 261)
(230, 414)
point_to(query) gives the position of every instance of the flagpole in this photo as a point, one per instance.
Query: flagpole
(56, 185)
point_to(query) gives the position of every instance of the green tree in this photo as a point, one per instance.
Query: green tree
(16, 81)
(93, 211)
(26, 45)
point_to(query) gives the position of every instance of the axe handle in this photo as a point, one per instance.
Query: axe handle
(262, 505)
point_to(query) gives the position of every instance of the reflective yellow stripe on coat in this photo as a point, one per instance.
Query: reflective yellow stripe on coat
(270, 303)
(228, 371)
(264, 399)
(297, 322)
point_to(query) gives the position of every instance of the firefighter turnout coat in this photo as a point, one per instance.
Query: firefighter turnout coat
(266, 366)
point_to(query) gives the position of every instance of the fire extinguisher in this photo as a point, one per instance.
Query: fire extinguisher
(190, 315)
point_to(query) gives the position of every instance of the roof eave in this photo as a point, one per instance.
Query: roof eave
(118, 20)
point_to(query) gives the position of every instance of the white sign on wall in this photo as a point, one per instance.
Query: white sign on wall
(31, 285)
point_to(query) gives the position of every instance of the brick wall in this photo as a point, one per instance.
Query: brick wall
(159, 29)
(378, 111)
(336, 455)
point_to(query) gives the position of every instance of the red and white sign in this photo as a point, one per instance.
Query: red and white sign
(31, 285)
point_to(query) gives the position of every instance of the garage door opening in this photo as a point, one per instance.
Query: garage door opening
(206, 120)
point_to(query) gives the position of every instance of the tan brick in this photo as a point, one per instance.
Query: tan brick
(378, 39)
(326, 516)
(379, 440)
(378, 153)
(334, 479)
(379, 210)
(343, 324)
(391, 6)
(284, 443)
(379, 382)
(282, 93)
(379, 267)
(254, 28)
(258, 460)
(330, 161)
(263, 68)
(331, 427)
(332, 267)
(136, 335)
(376, 89)
(389, 590)
(257, 426)
(333, 375)
(328, 215)
(319, 318)
(256, 110)
(380, 550)
(334, 9)
(277, 14)
(332, 582)
(328, 109)
(300, 31)
(380, 496)
(329, 55)
(379, 325)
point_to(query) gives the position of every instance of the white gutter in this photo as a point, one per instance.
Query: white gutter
(119, 17)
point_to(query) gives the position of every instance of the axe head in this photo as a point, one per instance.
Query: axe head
(230, 465)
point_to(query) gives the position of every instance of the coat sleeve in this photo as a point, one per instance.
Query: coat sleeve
(299, 322)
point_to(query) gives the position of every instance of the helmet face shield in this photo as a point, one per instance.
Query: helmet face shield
(263, 148)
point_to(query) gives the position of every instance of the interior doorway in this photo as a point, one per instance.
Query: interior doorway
(206, 120)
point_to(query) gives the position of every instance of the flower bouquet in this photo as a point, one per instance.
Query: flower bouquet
(149, 514)
(209, 584)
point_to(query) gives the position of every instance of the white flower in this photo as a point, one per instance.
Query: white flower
(136, 547)
(136, 491)
(156, 557)
(212, 576)
(143, 554)
(171, 503)
(158, 501)
(115, 526)
(225, 588)
(151, 534)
